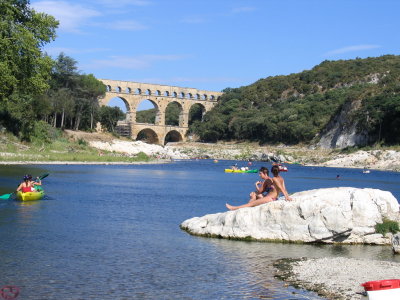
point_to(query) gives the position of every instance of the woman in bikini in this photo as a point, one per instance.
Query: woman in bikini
(277, 187)
(262, 187)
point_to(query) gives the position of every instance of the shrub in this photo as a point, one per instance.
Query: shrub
(82, 142)
(387, 226)
(42, 133)
(142, 156)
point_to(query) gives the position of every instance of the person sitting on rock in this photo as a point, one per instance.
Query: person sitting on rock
(262, 187)
(279, 187)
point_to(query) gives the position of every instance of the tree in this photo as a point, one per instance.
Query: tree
(24, 69)
(109, 117)
(89, 90)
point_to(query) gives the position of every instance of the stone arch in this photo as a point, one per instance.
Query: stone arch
(138, 91)
(148, 135)
(156, 107)
(172, 108)
(166, 93)
(126, 102)
(173, 136)
(196, 112)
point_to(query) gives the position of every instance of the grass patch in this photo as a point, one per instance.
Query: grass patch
(61, 149)
(387, 226)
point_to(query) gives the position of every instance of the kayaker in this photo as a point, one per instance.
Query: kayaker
(26, 185)
(35, 182)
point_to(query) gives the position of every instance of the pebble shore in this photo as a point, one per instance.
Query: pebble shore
(336, 277)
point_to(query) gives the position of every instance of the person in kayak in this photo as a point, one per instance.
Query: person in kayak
(34, 182)
(278, 187)
(26, 185)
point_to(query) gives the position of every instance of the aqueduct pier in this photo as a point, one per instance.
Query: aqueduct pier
(133, 93)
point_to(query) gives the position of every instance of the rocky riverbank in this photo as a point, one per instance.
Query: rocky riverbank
(335, 277)
(119, 147)
(373, 159)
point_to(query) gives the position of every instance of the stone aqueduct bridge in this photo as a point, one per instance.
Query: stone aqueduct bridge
(133, 93)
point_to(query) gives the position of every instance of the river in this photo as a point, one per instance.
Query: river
(112, 232)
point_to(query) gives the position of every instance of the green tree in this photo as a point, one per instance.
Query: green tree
(109, 117)
(24, 69)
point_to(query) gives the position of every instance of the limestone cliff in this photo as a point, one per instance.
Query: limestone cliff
(333, 215)
(341, 131)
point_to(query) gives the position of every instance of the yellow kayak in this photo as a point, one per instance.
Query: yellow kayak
(241, 171)
(30, 196)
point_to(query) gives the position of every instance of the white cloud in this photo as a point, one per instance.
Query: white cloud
(127, 25)
(71, 16)
(139, 62)
(351, 49)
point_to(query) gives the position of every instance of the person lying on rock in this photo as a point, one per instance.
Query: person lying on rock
(262, 187)
(278, 187)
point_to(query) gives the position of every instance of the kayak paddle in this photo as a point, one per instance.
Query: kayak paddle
(43, 176)
(6, 196)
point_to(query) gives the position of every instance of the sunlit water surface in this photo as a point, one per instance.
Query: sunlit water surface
(112, 232)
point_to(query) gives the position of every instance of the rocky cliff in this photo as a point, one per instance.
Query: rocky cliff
(341, 131)
(334, 215)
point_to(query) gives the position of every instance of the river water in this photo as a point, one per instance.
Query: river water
(112, 232)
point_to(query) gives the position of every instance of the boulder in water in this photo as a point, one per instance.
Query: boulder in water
(332, 215)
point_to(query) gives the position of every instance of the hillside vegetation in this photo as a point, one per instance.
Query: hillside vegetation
(296, 108)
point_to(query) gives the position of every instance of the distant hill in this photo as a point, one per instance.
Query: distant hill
(336, 104)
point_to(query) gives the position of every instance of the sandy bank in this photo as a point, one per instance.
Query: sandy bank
(336, 277)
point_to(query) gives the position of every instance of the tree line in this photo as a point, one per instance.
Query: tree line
(37, 92)
(295, 108)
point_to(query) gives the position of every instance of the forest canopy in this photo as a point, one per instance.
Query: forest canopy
(296, 108)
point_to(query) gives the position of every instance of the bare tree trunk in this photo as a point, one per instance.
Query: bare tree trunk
(55, 120)
(62, 118)
(91, 120)
(77, 122)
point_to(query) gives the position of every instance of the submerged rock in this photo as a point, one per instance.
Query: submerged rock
(332, 215)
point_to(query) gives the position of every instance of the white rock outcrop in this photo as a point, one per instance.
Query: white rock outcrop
(332, 215)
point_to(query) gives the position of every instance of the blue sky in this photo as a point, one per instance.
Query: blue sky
(215, 44)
